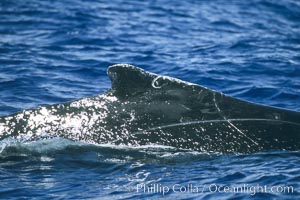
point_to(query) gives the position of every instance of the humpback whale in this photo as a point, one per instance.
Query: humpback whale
(143, 108)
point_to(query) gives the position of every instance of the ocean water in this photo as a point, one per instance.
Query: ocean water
(57, 51)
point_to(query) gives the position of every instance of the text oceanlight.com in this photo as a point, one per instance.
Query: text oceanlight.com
(212, 188)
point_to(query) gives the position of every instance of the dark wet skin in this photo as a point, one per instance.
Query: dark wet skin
(143, 108)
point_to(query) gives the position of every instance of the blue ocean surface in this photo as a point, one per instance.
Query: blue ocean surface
(54, 51)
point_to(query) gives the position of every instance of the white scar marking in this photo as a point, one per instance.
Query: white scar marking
(229, 121)
(154, 81)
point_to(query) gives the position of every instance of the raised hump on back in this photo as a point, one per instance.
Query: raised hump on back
(127, 79)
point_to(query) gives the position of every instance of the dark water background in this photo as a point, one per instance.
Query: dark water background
(59, 50)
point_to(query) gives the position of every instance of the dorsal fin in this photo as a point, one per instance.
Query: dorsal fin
(127, 79)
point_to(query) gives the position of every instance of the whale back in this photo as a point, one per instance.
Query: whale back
(144, 108)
